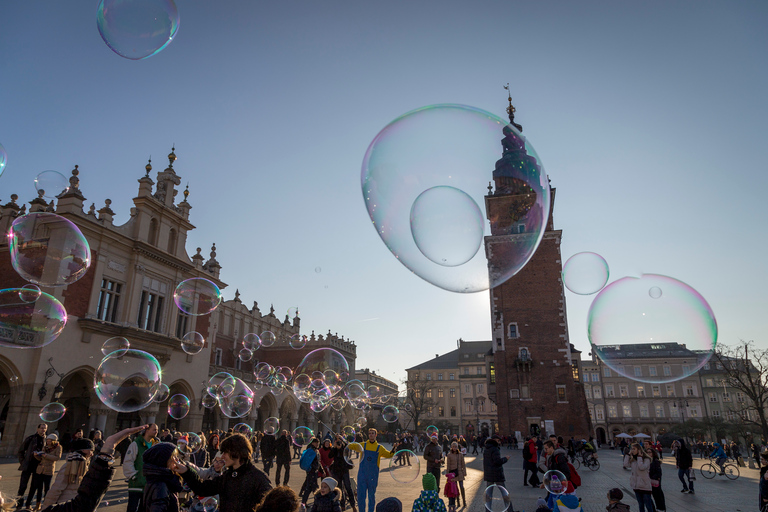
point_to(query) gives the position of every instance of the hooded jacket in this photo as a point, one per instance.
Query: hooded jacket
(640, 479)
(328, 503)
(559, 461)
(160, 489)
(493, 462)
(429, 501)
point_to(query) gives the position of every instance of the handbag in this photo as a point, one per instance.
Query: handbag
(691, 474)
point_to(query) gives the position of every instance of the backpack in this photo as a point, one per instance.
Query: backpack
(575, 478)
(307, 458)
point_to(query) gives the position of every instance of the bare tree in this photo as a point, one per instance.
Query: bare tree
(746, 369)
(418, 400)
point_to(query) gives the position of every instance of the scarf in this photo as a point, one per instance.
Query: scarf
(76, 466)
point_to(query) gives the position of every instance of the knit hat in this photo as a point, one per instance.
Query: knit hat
(82, 444)
(159, 454)
(428, 482)
(615, 494)
(330, 482)
(390, 505)
(53, 436)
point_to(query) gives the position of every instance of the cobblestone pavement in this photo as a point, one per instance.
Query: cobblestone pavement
(717, 495)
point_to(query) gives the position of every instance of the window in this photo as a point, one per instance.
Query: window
(524, 391)
(429, 393)
(728, 415)
(640, 390)
(493, 407)
(150, 311)
(709, 383)
(659, 410)
(480, 388)
(674, 411)
(612, 413)
(689, 389)
(466, 388)
(453, 392)
(219, 354)
(591, 415)
(726, 396)
(626, 410)
(451, 376)
(667, 371)
(671, 390)
(597, 392)
(606, 372)
(481, 406)
(716, 414)
(643, 410)
(575, 371)
(623, 390)
(480, 370)
(599, 412)
(713, 397)
(588, 392)
(561, 393)
(439, 376)
(429, 411)
(453, 410)
(181, 324)
(440, 393)
(441, 411)
(238, 363)
(740, 397)
(492, 373)
(429, 376)
(719, 366)
(706, 366)
(466, 370)
(172, 241)
(686, 369)
(694, 411)
(652, 371)
(609, 390)
(468, 406)
(586, 378)
(638, 371)
(595, 377)
(524, 355)
(109, 299)
(513, 331)
(656, 390)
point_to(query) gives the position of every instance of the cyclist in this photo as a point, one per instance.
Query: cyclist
(719, 455)
(588, 451)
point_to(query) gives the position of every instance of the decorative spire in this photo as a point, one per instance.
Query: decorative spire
(148, 167)
(74, 181)
(237, 295)
(172, 156)
(186, 192)
(511, 110)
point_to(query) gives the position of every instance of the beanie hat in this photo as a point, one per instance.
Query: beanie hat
(615, 494)
(82, 444)
(159, 454)
(428, 482)
(390, 505)
(53, 436)
(330, 482)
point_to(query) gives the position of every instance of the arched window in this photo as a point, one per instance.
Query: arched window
(152, 238)
(172, 241)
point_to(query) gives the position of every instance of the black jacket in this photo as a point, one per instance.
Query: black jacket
(655, 470)
(339, 465)
(493, 462)
(268, 445)
(328, 503)
(433, 454)
(91, 490)
(31, 444)
(160, 490)
(283, 450)
(239, 490)
(684, 457)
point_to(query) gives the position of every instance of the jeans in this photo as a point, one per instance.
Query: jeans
(682, 474)
(436, 472)
(658, 498)
(134, 500)
(644, 500)
(267, 464)
(40, 485)
(278, 467)
(310, 486)
(345, 484)
(25, 476)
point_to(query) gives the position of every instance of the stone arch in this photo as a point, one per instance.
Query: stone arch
(163, 419)
(9, 391)
(79, 398)
(153, 231)
(287, 413)
(172, 238)
(267, 408)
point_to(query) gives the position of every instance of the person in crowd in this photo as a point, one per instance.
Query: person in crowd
(451, 490)
(433, 454)
(162, 484)
(368, 472)
(200, 458)
(454, 463)
(429, 500)
(240, 487)
(684, 463)
(557, 458)
(313, 469)
(654, 472)
(134, 461)
(77, 435)
(327, 498)
(615, 496)
(213, 446)
(325, 458)
(27, 460)
(283, 457)
(340, 472)
(216, 468)
(122, 448)
(279, 499)
(529, 463)
(762, 497)
(41, 480)
(268, 451)
(493, 472)
(98, 442)
(639, 462)
(71, 474)
(719, 455)
(256, 443)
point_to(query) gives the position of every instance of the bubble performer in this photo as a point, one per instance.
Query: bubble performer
(368, 474)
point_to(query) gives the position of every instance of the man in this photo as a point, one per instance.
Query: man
(268, 451)
(77, 435)
(368, 473)
(529, 463)
(493, 472)
(434, 457)
(27, 461)
(283, 457)
(134, 464)
(557, 459)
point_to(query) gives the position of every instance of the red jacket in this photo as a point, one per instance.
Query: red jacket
(532, 454)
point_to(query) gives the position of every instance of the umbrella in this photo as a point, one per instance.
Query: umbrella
(624, 436)
(643, 436)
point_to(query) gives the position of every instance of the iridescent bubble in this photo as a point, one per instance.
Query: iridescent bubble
(318, 270)
(432, 431)
(117, 345)
(301, 382)
(351, 452)
(323, 359)
(48, 250)
(458, 147)
(251, 341)
(349, 433)
(408, 407)
(137, 29)
(178, 406)
(221, 385)
(197, 296)
(51, 184)
(163, 392)
(245, 355)
(239, 402)
(29, 293)
(298, 341)
(209, 504)
(192, 443)
(262, 371)
(405, 466)
(29, 324)
(52, 412)
(268, 338)
(446, 225)
(3, 159)
(243, 428)
(192, 343)
(361, 422)
(302, 436)
(127, 383)
(555, 482)
(293, 312)
(585, 273)
(374, 391)
(390, 414)
(655, 292)
(209, 401)
(271, 426)
(497, 498)
(13, 379)
(626, 321)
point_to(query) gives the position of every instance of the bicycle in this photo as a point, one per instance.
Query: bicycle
(728, 469)
(589, 460)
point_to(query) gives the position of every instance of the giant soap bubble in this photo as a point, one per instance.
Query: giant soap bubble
(197, 296)
(652, 317)
(451, 152)
(127, 382)
(585, 273)
(329, 364)
(239, 402)
(137, 29)
(32, 324)
(3, 159)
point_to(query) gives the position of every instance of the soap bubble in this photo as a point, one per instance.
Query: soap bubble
(13, 379)
(302, 436)
(374, 392)
(209, 504)
(178, 406)
(3, 159)
(456, 147)
(555, 482)
(625, 321)
(127, 383)
(137, 29)
(298, 341)
(245, 355)
(268, 338)
(404, 467)
(243, 428)
(192, 343)
(48, 250)
(271, 426)
(585, 273)
(197, 296)
(192, 444)
(655, 292)
(30, 324)
(447, 225)
(209, 401)
(52, 412)
(318, 270)
(361, 422)
(349, 433)
(293, 312)
(51, 183)
(117, 345)
(408, 407)
(221, 385)
(321, 360)
(497, 498)
(432, 431)
(251, 341)
(352, 451)
(390, 414)
(239, 402)
(29, 293)
(163, 392)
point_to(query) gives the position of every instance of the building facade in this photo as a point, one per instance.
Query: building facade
(593, 390)
(369, 378)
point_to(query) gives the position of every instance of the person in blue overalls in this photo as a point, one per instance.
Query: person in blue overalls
(368, 474)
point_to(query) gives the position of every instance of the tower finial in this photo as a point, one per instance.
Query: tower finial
(172, 156)
(148, 167)
(511, 110)
(186, 192)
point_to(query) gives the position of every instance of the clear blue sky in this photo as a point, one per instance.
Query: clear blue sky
(650, 119)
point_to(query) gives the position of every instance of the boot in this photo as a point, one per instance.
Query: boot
(463, 497)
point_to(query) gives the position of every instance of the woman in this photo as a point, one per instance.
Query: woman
(98, 442)
(639, 462)
(684, 462)
(213, 446)
(200, 458)
(41, 480)
(455, 464)
(71, 473)
(325, 458)
(655, 473)
(340, 472)
(163, 485)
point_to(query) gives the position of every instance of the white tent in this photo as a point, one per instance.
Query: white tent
(624, 436)
(643, 436)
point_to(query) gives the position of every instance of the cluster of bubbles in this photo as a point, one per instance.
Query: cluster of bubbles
(137, 29)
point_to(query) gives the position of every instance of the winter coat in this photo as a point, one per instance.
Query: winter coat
(26, 453)
(134, 461)
(328, 503)
(532, 452)
(339, 465)
(617, 507)
(455, 464)
(268, 446)
(558, 461)
(239, 490)
(684, 457)
(160, 491)
(325, 456)
(91, 490)
(48, 460)
(493, 462)
(68, 480)
(283, 450)
(654, 472)
(639, 480)
(433, 454)
(429, 501)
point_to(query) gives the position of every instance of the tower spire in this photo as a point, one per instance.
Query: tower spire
(511, 110)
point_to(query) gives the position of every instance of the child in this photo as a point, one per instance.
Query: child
(614, 501)
(451, 491)
(327, 498)
(429, 501)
